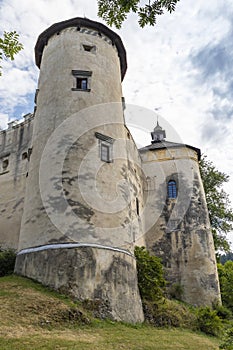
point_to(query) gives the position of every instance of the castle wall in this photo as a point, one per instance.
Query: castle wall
(14, 146)
(180, 233)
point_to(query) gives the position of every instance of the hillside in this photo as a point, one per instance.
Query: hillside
(32, 317)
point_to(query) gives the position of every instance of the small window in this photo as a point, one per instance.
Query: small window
(137, 206)
(89, 48)
(172, 190)
(105, 152)
(5, 164)
(82, 80)
(81, 83)
(24, 155)
(105, 147)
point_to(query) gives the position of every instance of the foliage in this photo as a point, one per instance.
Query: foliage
(151, 280)
(176, 291)
(9, 46)
(169, 313)
(208, 321)
(115, 12)
(7, 261)
(227, 341)
(220, 212)
(225, 273)
(222, 311)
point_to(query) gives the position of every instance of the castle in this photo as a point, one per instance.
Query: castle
(77, 195)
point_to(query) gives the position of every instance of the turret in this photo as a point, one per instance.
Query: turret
(177, 223)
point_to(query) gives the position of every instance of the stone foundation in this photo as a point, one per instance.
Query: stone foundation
(86, 273)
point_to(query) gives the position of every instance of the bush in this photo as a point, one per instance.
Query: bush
(208, 321)
(169, 313)
(176, 291)
(7, 261)
(151, 282)
(222, 312)
(227, 342)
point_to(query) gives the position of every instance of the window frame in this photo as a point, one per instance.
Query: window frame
(105, 142)
(80, 76)
(172, 189)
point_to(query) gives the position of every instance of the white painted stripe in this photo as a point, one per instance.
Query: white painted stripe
(72, 245)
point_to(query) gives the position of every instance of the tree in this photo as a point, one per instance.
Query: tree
(114, 12)
(9, 46)
(151, 282)
(220, 211)
(225, 273)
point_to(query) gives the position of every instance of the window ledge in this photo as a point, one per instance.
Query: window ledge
(86, 90)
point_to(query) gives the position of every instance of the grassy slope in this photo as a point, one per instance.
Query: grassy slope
(31, 317)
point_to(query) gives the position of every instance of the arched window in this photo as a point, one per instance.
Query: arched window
(171, 189)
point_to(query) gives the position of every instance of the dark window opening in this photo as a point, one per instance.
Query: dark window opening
(137, 206)
(81, 83)
(24, 155)
(82, 80)
(5, 164)
(172, 190)
(89, 48)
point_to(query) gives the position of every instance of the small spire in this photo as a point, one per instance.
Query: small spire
(158, 134)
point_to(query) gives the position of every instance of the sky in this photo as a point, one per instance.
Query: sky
(181, 69)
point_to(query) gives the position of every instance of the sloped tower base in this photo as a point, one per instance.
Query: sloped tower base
(104, 276)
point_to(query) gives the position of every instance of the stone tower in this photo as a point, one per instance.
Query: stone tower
(82, 198)
(177, 222)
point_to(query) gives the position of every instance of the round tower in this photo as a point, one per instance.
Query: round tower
(177, 222)
(76, 233)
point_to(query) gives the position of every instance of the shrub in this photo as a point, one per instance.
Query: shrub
(208, 321)
(176, 291)
(222, 312)
(7, 261)
(227, 341)
(151, 282)
(169, 313)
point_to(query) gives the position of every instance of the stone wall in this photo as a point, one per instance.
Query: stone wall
(180, 233)
(15, 144)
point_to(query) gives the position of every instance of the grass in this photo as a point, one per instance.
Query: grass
(33, 317)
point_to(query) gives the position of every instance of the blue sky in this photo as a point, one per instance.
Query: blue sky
(182, 68)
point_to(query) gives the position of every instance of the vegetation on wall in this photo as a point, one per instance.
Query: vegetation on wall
(151, 282)
(220, 211)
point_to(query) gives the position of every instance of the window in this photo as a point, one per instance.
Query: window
(105, 147)
(81, 83)
(172, 190)
(4, 163)
(89, 48)
(82, 80)
(24, 155)
(137, 206)
(105, 152)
